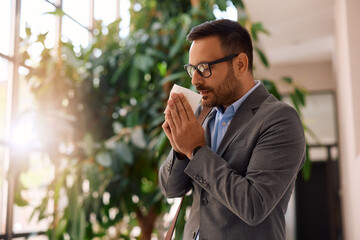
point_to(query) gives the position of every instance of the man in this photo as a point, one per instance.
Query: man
(241, 164)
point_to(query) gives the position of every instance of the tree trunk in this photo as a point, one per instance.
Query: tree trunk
(147, 223)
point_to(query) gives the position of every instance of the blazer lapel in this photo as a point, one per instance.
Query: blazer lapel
(242, 116)
(207, 127)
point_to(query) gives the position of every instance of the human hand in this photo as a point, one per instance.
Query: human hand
(181, 126)
(167, 131)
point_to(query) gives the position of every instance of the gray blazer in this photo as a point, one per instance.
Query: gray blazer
(241, 191)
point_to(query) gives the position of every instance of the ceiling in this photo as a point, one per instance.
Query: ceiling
(301, 30)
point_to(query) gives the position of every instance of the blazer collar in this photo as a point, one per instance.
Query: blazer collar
(242, 116)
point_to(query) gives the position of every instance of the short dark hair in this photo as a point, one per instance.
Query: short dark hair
(233, 37)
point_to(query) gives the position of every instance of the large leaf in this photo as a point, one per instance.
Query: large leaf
(28, 30)
(255, 29)
(143, 62)
(60, 229)
(307, 168)
(134, 78)
(41, 38)
(57, 12)
(138, 138)
(18, 199)
(104, 159)
(288, 80)
(270, 86)
(300, 96)
(295, 101)
(238, 4)
(262, 56)
(174, 77)
(119, 71)
(92, 172)
(124, 152)
(40, 210)
(162, 68)
(179, 42)
(88, 144)
(221, 4)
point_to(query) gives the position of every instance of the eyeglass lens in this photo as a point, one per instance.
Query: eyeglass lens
(203, 69)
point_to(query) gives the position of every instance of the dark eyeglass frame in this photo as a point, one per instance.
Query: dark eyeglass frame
(209, 64)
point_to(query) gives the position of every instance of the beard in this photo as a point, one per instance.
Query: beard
(224, 95)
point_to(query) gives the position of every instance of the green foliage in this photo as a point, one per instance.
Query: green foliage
(106, 102)
(271, 87)
(257, 28)
(306, 169)
(262, 56)
(18, 199)
(238, 4)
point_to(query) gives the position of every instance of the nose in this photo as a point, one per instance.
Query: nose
(197, 79)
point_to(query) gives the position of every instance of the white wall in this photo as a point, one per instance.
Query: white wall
(314, 76)
(346, 63)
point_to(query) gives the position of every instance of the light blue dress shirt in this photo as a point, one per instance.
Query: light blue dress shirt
(220, 123)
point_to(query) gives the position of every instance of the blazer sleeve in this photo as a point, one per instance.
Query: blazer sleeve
(275, 159)
(172, 179)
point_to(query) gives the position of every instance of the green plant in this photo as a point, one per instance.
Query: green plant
(105, 105)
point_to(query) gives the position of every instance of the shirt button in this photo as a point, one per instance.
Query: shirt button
(224, 124)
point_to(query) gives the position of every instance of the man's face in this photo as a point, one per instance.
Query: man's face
(222, 87)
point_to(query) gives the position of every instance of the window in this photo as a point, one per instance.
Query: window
(319, 115)
(37, 19)
(69, 28)
(4, 69)
(76, 27)
(72, 9)
(3, 189)
(104, 10)
(5, 10)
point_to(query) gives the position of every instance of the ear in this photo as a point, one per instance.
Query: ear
(241, 63)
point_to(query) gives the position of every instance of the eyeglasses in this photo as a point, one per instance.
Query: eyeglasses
(203, 68)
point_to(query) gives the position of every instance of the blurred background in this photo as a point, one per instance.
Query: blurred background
(83, 87)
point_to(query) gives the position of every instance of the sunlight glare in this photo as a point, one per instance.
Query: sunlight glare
(24, 134)
(125, 18)
(4, 68)
(230, 13)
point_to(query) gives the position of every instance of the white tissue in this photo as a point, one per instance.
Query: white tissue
(192, 97)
